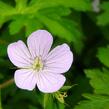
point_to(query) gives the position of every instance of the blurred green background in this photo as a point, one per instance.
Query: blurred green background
(84, 25)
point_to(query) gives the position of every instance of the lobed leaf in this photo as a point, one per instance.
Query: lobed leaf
(103, 18)
(103, 55)
(99, 80)
(94, 102)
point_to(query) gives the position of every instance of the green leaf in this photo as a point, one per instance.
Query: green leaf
(51, 103)
(16, 25)
(32, 26)
(6, 12)
(24, 8)
(20, 4)
(99, 80)
(38, 14)
(24, 22)
(94, 102)
(76, 4)
(6, 9)
(82, 5)
(103, 18)
(65, 88)
(65, 29)
(54, 26)
(103, 55)
(52, 11)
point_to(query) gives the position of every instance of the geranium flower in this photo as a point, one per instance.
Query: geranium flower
(39, 66)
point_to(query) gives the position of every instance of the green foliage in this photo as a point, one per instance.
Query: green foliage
(66, 88)
(51, 103)
(103, 18)
(103, 54)
(48, 99)
(99, 80)
(44, 13)
(94, 102)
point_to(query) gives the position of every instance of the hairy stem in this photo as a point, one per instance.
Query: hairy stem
(0, 101)
(7, 83)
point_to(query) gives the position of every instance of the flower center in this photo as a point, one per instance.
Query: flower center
(37, 65)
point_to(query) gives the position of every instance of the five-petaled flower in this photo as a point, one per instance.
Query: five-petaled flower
(39, 66)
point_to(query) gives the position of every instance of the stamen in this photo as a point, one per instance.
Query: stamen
(37, 65)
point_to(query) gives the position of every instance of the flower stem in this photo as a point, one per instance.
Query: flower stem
(3, 85)
(45, 99)
(0, 101)
(7, 83)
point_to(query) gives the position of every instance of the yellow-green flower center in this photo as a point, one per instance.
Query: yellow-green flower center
(37, 65)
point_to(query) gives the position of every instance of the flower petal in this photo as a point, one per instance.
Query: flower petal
(19, 54)
(25, 79)
(39, 43)
(50, 82)
(59, 60)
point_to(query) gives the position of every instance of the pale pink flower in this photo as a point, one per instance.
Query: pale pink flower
(38, 66)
